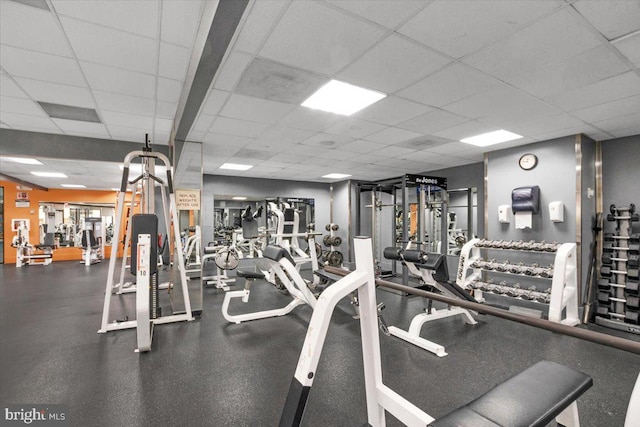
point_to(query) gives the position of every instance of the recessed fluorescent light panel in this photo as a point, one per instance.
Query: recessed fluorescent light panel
(491, 138)
(49, 174)
(73, 185)
(22, 160)
(236, 167)
(342, 98)
(336, 176)
(239, 198)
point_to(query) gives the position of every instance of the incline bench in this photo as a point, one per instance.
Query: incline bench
(534, 397)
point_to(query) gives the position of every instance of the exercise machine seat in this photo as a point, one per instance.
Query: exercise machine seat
(276, 253)
(250, 275)
(49, 242)
(89, 240)
(534, 397)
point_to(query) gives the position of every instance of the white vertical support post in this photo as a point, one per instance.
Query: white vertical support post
(369, 331)
(143, 280)
(114, 253)
(564, 287)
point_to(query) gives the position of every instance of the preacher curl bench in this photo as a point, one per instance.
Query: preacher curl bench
(431, 268)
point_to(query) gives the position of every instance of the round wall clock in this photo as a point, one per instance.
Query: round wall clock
(528, 161)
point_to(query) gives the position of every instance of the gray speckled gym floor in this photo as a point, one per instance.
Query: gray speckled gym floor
(212, 373)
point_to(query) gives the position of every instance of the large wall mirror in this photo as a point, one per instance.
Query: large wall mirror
(66, 221)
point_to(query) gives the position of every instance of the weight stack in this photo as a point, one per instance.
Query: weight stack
(618, 291)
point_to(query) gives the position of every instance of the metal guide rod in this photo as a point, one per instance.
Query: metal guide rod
(597, 337)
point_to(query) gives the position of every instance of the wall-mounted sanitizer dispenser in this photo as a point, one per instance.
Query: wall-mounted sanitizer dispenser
(504, 214)
(556, 211)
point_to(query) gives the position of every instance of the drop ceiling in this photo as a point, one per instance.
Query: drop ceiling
(451, 69)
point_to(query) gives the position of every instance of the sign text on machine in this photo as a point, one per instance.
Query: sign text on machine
(188, 200)
(427, 180)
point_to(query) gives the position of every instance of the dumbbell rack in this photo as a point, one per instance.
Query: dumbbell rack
(618, 293)
(479, 275)
(333, 256)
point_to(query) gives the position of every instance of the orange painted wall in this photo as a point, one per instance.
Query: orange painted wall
(31, 213)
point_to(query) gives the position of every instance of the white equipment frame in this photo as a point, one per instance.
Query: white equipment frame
(564, 286)
(413, 334)
(296, 286)
(149, 182)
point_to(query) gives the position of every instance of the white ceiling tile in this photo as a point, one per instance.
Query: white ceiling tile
(196, 135)
(354, 128)
(623, 122)
(203, 122)
(547, 135)
(163, 125)
(386, 13)
(20, 106)
(231, 70)
(40, 66)
(82, 128)
(166, 110)
(57, 93)
(9, 88)
(106, 46)
(4, 126)
(261, 19)
(134, 16)
(316, 37)
(285, 135)
(546, 124)
(174, 61)
(31, 28)
(551, 40)
(452, 83)
(611, 17)
(308, 119)
(500, 103)
(161, 138)
(551, 78)
(450, 148)
(433, 121)
(391, 151)
(630, 47)
(21, 121)
(255, 109)
(362, 146)
(335, 154)
(128, 120)
(465, 130)
(169, 90)
(214, 102)
(122, 103)
(126, 133)
(238, 127)
(180, 21)
(461, 27)
(606, 90)
(124, 82)
(392, 110)
(392, 135)
(326, 141)
(392, 64)
(610, 110)
(620, 133)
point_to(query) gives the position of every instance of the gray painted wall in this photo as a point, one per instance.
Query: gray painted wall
(621, 172)
(555, 174)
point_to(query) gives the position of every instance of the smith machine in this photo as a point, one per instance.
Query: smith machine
(419, 221)
(142, 237)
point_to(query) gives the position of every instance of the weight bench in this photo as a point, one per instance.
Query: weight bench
(91, 253)
(534, 397)
(431, 268)
(284, 267)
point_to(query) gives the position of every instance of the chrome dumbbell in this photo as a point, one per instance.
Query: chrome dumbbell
(514, 290)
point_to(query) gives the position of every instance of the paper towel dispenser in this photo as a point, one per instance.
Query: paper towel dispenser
(526, 199)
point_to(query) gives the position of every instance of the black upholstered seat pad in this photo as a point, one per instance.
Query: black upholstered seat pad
(534, 397)
(249, 274)
(276, 253)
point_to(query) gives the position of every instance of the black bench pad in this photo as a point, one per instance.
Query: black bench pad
(276, 253)
(249, 274)
(534, 397)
